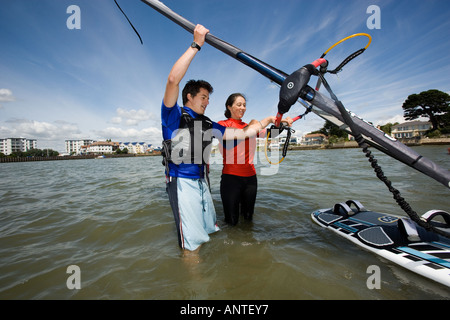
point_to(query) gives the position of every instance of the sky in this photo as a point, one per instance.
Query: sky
(99, 82)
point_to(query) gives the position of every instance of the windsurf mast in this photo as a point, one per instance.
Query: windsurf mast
(320, 104)
(227, 48)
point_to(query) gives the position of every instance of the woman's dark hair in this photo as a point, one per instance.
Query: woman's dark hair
(231, 99)
(193, 87)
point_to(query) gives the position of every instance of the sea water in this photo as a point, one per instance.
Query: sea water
(103, 229)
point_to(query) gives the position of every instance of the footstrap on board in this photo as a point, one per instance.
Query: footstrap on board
(430, 215)
(344, 208)
(409, 229)
(357, 204)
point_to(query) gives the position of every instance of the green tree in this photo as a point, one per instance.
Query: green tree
(35, 153)
(50, 152)
(40, 153)
(433, 104)
(124, 151)
(331, 130)
(387, 128)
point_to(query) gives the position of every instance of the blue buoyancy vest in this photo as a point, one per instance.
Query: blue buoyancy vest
(191, 143)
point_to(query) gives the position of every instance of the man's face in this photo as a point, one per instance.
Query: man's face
(198, 103)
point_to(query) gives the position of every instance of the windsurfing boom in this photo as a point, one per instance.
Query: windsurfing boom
(320, 104)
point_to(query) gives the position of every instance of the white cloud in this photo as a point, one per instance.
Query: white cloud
(394, 119)
(116, 120)
(6, 95)
(39, 130)
(131, 117)
(149, 135)
(49, 135)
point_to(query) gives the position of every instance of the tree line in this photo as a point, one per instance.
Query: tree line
(32, 153)
(432, 104)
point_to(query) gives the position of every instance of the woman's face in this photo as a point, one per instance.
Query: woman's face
(238, 108)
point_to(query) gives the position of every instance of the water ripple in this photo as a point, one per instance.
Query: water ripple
(112, 218)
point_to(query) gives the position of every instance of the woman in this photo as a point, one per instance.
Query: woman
(238, 186)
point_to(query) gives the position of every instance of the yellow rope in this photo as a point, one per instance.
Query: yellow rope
(349, 37)
(265, 150)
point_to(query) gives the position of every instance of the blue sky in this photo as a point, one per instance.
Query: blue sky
(99, 82)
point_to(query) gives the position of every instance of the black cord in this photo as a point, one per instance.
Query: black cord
(347, 60)
(129, 22)
(378, 171)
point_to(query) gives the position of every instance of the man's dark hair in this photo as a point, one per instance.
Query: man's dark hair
(193, 87)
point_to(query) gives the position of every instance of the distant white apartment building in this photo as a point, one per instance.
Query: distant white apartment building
(74, 146)
(11, 145)
(102, 147)
(410, 129)
(31, 144)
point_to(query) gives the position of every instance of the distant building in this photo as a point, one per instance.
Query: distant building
(12, 145)
(75, 146)
(260, 142)
(83, 150)
(277, 141)
(135, 147)
(31, 144)
(314, 139)
(102, 147)
(294, 140)
(410, 129)
(87, 146)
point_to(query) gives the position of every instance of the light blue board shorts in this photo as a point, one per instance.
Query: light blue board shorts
(193, 211)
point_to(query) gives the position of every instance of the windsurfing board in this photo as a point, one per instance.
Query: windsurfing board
(395, 238)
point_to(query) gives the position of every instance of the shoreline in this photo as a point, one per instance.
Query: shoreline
(90, 156)
(354, 144)
(339, 145)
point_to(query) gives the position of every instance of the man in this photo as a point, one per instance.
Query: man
(187, 135)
